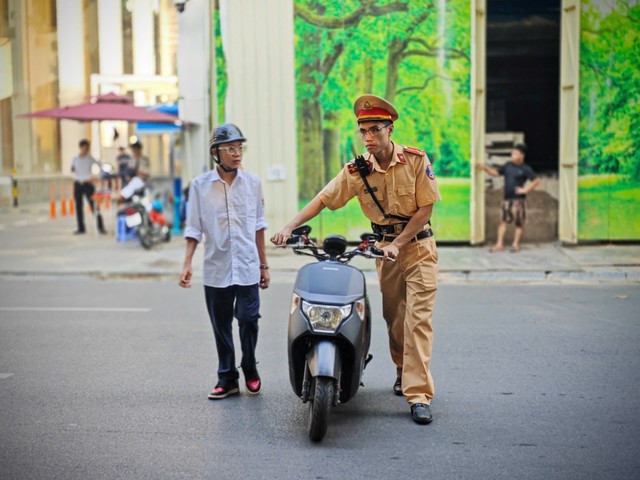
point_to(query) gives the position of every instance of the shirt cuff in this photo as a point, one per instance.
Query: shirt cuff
(261, 225)
(190, 232)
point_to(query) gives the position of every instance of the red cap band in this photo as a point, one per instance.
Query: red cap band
(375, 113)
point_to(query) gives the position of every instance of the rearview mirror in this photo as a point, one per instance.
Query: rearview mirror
(302, 230)
(369, 237)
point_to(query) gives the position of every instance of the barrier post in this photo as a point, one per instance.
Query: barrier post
(177, 201)
(14, 189)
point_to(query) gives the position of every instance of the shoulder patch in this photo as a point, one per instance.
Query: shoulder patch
(429, 172)
(353, 168)
(415, 151)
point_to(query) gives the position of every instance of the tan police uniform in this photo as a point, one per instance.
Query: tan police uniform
(409, 284)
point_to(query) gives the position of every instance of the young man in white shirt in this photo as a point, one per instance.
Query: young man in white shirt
(81, 167)
(226, 207)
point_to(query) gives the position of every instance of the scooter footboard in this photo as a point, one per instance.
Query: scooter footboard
(324, 360)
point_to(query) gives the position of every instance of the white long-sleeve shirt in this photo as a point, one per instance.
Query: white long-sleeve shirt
(228, 216)
(81, 167)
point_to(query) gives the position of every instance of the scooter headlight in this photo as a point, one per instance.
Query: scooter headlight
(325, 318)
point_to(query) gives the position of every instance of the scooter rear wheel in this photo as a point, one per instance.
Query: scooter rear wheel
(320, 407)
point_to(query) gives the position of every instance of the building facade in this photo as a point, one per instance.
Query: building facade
(287, 72)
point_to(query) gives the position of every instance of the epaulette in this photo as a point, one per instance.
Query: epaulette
(415, 151)
(353, 168)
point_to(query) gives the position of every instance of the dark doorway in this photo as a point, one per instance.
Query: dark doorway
(523, 75)
(523, 91)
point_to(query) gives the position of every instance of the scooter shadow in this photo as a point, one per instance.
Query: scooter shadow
(371, 412)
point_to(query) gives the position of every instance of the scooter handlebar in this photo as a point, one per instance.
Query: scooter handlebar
(293, 240)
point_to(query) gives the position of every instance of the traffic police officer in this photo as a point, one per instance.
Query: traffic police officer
(396, 188)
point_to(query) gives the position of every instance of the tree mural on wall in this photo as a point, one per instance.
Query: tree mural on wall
(610, 87)
(396, 49)
(609, 125)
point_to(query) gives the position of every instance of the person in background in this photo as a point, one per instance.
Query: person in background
(124, 165)
(226, 209)
(139, 173)
(512, 209)
(140, 163)
(81, 167)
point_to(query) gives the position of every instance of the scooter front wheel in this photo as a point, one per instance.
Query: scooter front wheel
(320, 407)
(145, 238)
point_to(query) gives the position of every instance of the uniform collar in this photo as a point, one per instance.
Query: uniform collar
(396, 157)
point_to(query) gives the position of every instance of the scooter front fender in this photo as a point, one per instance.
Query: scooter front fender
(324, 360)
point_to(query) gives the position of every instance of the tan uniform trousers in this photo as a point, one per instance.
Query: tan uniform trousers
(408, 288)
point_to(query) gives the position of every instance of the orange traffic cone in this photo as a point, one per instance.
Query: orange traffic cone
(63, 200)
(52, 201)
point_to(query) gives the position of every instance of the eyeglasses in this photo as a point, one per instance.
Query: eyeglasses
(375, 130)
(234, 150)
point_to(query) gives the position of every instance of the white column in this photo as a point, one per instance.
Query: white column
(110, 37)
(258, 41)
(144, 55)
(110, 42)
(23, 144)
(195, 58)
(71, 74)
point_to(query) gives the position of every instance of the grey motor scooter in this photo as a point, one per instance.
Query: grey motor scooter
(329, 325)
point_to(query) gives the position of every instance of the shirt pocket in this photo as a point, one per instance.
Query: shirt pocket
(368, 204)
(406, 198)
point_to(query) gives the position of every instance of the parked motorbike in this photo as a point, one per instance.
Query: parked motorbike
(148, 220)
(329, 325)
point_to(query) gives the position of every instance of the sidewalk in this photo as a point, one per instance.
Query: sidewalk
(32, 244)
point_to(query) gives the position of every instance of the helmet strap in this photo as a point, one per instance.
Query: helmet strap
(216, 158)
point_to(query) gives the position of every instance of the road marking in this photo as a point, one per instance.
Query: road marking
(21, 223)
(73, 309)
(5, 375)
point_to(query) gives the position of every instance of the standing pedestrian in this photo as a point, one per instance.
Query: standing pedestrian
(140, 163)
(81, 167)
(396, 188)
(512, 209)
(226, 207)
(124, 165)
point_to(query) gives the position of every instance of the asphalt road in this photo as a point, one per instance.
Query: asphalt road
(108, 380)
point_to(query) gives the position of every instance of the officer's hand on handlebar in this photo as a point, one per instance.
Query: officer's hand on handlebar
(390, 251)
(281, 237)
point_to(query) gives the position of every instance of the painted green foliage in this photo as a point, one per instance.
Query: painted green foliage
(609, 139)
(221, 64)
(414, 53)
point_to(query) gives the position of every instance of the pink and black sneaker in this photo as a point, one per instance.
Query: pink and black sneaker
(253, 386)
(223, 390)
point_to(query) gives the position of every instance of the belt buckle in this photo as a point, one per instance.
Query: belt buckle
(397, 228)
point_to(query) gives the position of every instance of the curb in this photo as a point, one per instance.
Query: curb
(444, 277)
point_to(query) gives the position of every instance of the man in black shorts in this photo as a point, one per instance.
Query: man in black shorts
(512, 209)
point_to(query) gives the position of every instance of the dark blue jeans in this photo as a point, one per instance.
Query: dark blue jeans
(243, 302)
